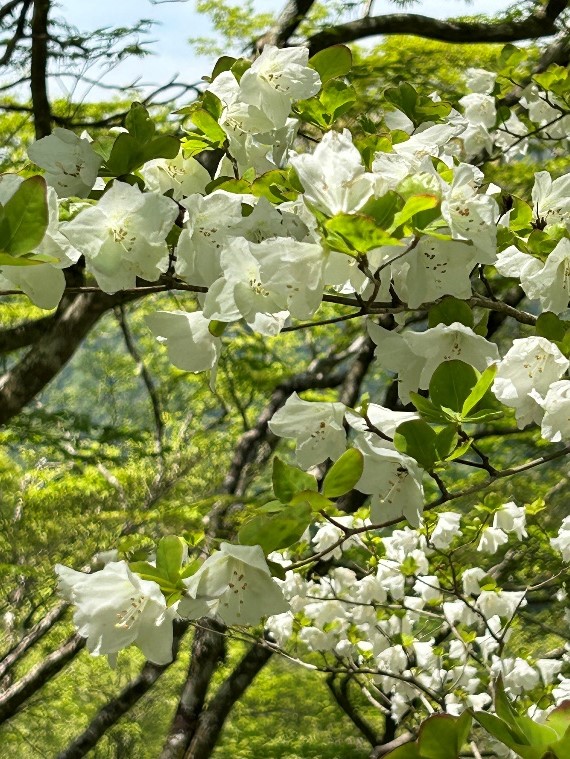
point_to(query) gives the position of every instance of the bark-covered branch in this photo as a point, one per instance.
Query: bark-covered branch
(38, 68)
(212, 719)
(17, 694)
(114, 709)
(49, 355)
(14, 338)
(288, 21)
(208, 649)
(340, 695)
(540, 23)
(33, 636)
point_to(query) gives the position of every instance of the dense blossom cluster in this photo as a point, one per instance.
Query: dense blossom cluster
(276, 228)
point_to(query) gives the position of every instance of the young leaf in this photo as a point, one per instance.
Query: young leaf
(25, 218)
(331, 63)
(417, 439)
(344, 474)
(289, 480)
(451, 384)
(482, 385)
(169, 556)
(278, 530)
(450, 310)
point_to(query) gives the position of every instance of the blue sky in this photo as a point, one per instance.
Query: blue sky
(178, 21)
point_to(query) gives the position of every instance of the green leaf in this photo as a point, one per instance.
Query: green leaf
(549, 325)
(442, 736)
(239, 68)
(451, 384)
(446, 441)
(169, 556)
(344, 474)
(428, 410)
(208, 125)
(139, 124)
(337, 98)
(559, 719)
(289, 480)
(418, 108)
(126, 155)
(407, 751)
(278, 530)
(164, 146)
(316, 500)
(417, 439)
(450, 310)
(224, 63)
(383, 209)
(217, 328)
(413, 205)
(25, 218)
(331, 63)
(481, 387)
(355, 233)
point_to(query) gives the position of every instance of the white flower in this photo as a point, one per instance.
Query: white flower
(416, 355)
(548, 668)
(235, 583)
(432, 269)
(471, 578)
(393, 479)
(328, 534)
(383, 419)
(522, 677)
(479, 109)
(184, 176)
(562, 541)
(209, 227)
(556, 404)
(262, 281)
(551, 199)
(480, 80)
(191, 346)
(316, 427)
(333, 176)
(550, 283)
(446, 529)
(528, 369)
(427, 588)
(70, 163)
(511, 518)
(491, 539)
(471, 215)
(276, 79)
(124, 236)
(502, 603)
(115, 607)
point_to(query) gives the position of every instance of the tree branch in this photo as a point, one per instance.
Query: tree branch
(340, 695)
(114, 709)
(540, 23)
(208, 648)
(292, 15)
(212, 719)
(22, 335)
(17, 694)
(33, 636)
(38, 69)
(49, 355)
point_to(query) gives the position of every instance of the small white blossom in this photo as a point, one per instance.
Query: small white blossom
(317, 428)
(530, 366)
(511, 518)
(491, 539)
(446, 529)
(70, 163)
(115, 607)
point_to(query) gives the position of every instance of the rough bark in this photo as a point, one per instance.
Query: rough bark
(50, 354)
(288, 21)
(33, 636)
(212, 719)
(38, 68)
(207, 649)
(17, 694)
(540, 23)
